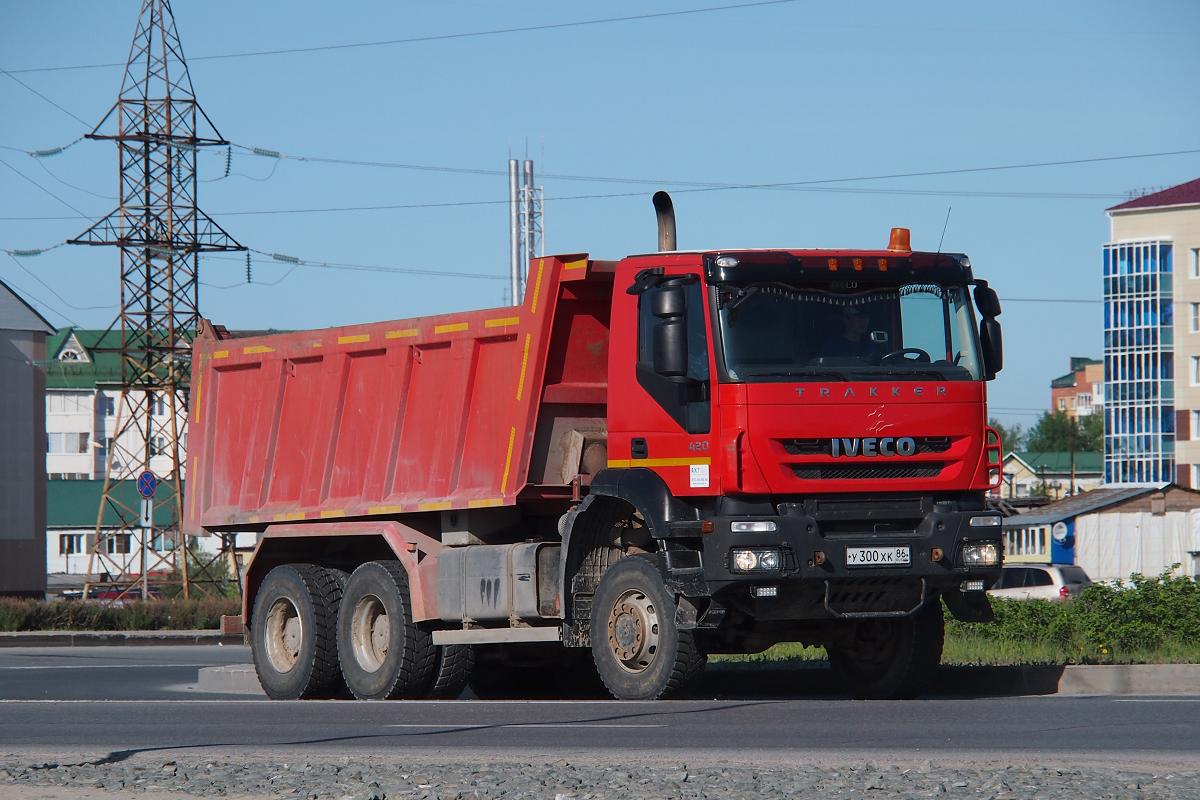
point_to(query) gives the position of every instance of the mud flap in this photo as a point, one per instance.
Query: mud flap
(969, 606)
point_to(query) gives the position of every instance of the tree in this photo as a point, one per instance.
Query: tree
(1091, 433)
(1056, 432)
(1010, 437)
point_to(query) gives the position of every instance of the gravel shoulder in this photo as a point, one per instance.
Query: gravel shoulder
(466, 775)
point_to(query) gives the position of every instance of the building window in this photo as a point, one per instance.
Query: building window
(1195, 468)
(1062, 404)
(68, 355)
(1195, 428)
(68, 402)
(67, 443)
(1195, 371)
(1194, 317)
(108, 405)
(158, 445)
(1195, 263)
(119, 544)
(158, 404)
(70, 544)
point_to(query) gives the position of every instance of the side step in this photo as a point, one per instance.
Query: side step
(498, 635)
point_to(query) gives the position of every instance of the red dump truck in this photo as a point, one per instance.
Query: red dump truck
(647, 461)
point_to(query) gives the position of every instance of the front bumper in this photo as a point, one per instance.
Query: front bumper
(816, 580)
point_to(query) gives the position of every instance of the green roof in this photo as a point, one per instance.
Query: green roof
(74, 504)
(1077, 363)
(103, 349)
(1060, 461)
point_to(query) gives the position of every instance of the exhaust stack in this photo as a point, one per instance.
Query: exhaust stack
(665, 210)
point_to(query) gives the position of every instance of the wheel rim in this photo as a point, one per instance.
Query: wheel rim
(370, 633)
(285, 635)
(633, 631)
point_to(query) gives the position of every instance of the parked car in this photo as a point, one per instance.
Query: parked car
(1040, 582)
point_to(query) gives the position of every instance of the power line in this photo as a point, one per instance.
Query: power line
(47, 99)
(44, 189)
(50, 288)
(440, 37)
(714, 185)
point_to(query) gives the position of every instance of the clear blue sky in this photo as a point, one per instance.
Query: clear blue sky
(788, 92)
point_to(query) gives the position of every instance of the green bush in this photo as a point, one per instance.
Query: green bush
(153, 615)
(1107, 623)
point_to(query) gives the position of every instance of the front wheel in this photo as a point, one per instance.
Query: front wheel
(891, 659)
(639, 651)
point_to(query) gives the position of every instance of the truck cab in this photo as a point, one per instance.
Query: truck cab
(806, 431)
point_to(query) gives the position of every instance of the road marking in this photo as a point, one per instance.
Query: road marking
(519, 725)
(1159, 700)
(113, 666)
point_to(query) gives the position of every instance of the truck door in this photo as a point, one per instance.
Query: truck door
(666, 419)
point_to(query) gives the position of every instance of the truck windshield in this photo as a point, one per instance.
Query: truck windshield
(783, 332)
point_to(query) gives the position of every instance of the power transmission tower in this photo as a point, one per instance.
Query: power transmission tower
(158, 127)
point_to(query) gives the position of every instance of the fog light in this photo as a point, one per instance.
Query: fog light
(972, 586)
(990, 521)
(757, 559)
(745, 526)
(980, 554)
(766, 591)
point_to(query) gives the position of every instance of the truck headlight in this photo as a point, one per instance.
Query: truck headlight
(980, 554)
(754, 559)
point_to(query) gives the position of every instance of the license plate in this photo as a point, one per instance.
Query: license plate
(878, 556)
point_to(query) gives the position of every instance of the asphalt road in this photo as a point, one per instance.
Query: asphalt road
(143, 699)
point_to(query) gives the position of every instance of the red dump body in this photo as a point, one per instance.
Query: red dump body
(425, 414)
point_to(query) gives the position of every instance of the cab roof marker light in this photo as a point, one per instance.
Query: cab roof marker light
(900, 240)
(727, 261)
(990, 521)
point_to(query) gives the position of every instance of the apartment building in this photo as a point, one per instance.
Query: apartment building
(1151, 270)
(1079, 393)
(83, 376)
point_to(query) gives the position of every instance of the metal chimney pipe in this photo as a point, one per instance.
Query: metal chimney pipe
(665, 210)
(514, 234)
(530, 233)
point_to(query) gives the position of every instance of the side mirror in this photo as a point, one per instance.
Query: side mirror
(986, 300)
(669, 306)
(991, 341)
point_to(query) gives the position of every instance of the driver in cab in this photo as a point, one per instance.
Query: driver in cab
(854, 341)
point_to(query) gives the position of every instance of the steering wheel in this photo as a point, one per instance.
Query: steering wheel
(921, 357)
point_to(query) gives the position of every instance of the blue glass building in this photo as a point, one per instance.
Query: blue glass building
(1139, 365)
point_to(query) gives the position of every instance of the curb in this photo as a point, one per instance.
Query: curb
(777, 682)
(229, 679)
(110, 638)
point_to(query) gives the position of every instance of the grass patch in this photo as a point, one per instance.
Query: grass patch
(1152, 620)
(152, 615)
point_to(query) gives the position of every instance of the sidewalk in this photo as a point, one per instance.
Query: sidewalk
(109, 638)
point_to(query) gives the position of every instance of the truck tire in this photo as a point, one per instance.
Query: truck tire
(383, 654)
(451, 673)
(294, 632)
(639, 652)
(892, 659)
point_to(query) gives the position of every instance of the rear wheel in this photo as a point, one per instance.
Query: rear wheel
(455, 663)
(293, 632)
(383, 654)
(891, 659)
(639, 651)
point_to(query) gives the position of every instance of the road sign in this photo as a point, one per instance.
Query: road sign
(147, 483)
(147, 513)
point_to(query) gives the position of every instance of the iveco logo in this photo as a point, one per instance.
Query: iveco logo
(874, 446)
